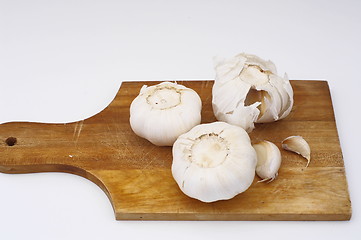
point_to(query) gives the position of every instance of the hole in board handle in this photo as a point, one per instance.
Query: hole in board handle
(11, 141)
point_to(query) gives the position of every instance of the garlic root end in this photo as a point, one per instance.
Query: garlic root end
(268, 180)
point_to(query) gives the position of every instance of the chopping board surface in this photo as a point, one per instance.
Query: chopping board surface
(136, 175)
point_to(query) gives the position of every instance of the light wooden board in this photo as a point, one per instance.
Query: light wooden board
(136, 175)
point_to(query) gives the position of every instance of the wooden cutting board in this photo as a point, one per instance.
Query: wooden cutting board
(137, 178)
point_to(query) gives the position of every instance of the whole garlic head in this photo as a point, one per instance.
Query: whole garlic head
(214, 161)
(247, 89)
(162, 112)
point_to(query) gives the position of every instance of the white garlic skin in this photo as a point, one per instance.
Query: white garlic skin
(268, 160)
(244, 74)
(162, 112)
(214, 161)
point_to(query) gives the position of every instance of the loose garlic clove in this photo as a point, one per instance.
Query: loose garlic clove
(162, 112)
(214, 161)
(268, 160)
(247, 90)
(298, 145)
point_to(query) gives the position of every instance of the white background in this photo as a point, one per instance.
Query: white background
(63, 61)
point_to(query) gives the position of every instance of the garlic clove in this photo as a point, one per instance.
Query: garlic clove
(213, 162)
(268, 160)
(298, 145)
(271, 104)
(162, 112)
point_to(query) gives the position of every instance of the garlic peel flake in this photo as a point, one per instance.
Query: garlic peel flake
(214, 161)
(162, 112)
(298, 145)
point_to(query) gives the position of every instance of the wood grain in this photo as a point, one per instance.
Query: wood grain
(136, 175)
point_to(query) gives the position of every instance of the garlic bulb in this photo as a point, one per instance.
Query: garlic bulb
(247, 89)
(268, 160)
(298, 145)
(162, 112)
(214, 161)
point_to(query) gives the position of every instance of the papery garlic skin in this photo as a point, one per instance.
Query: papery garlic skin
(247, 90)
(162, 112)
(214, 161)
(299, 145)
(268, 160)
